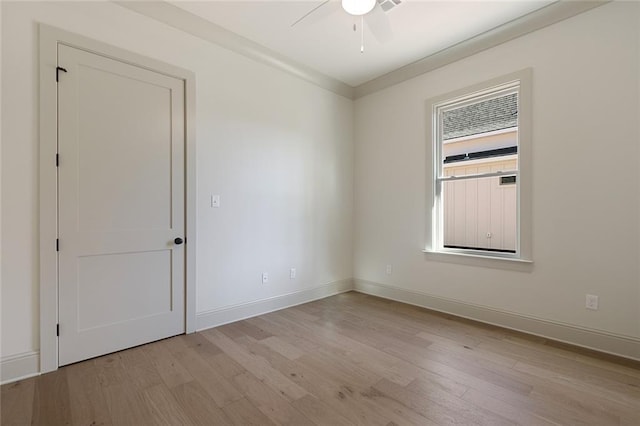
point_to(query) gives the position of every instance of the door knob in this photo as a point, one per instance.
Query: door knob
(178, 241)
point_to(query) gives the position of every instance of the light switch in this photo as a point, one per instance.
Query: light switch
(215, 201)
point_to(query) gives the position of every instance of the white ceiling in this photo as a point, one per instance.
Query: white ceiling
(326, 41)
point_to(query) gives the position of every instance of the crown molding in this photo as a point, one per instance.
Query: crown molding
(528, 23)
(207, 30)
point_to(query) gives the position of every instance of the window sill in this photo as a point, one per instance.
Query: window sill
(472, 259)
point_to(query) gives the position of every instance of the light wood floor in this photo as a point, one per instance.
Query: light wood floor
(348, 359)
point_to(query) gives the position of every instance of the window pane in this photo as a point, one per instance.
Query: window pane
(479, 213)
(481, 117)
(480, 137)
(482, 130)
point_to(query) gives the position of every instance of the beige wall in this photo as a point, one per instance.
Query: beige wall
(586, 193)
(277, 150)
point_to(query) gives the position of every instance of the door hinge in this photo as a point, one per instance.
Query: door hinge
(58, 69)
(58, 330)
(57, 244)
(57, 160)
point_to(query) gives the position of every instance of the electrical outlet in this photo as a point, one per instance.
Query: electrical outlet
(292, 273)
(265, 277)
(389, 269)
(592, 302)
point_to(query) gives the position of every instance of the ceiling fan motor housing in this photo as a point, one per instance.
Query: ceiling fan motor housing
(358, 7)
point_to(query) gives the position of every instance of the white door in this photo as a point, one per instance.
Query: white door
(121, 205)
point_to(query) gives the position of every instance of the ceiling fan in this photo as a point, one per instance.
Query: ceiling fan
(371, 12)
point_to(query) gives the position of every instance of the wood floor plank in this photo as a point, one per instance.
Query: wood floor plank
(417, 319)
(381, 331)
(376, 337)
(336, 344)
(140, 370)
(302, 316)
(446, 345)
(87, 402)
(393, 368)
(527, 351)
(164, 408)
(200, 344)
(573, 397)
(350, 359)
(629, 420)
(217, 386)
(472, 412)
(16, 402)
(517, 415)
(213, 356)
(171, 371)
(51, 404)
(596, 406)
(120, 393)
(256, 365)
(479, 368)
(466, 378)
(559, 410)
(295, 337)
(110, 369)
(230, 330)
(251, 330)
(336, 392)
(225, 365)
(579, 409)
(340, 369)
(320, 412)
(595, 385)
(126, 405)
(582, 355)
(198, 405)
(282, 347)
(270, 403)
(354, 393)
(243, 413)
(438, 407)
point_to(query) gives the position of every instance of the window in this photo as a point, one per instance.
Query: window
(479, 138)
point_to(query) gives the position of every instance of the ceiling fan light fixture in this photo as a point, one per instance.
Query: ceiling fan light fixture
(358, 7)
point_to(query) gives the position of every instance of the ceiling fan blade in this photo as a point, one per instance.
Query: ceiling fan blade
(319, 12)
(378, 22)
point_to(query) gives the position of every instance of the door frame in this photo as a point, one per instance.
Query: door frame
(49, 38)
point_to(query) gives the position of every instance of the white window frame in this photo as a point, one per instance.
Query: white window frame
(520, 83)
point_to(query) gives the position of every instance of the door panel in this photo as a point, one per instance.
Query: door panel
(121, 204)
(120, 276)
(134, 197)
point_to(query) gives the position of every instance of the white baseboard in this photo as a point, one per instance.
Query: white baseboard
(18, 367)
(601, 341)
(226, 315)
